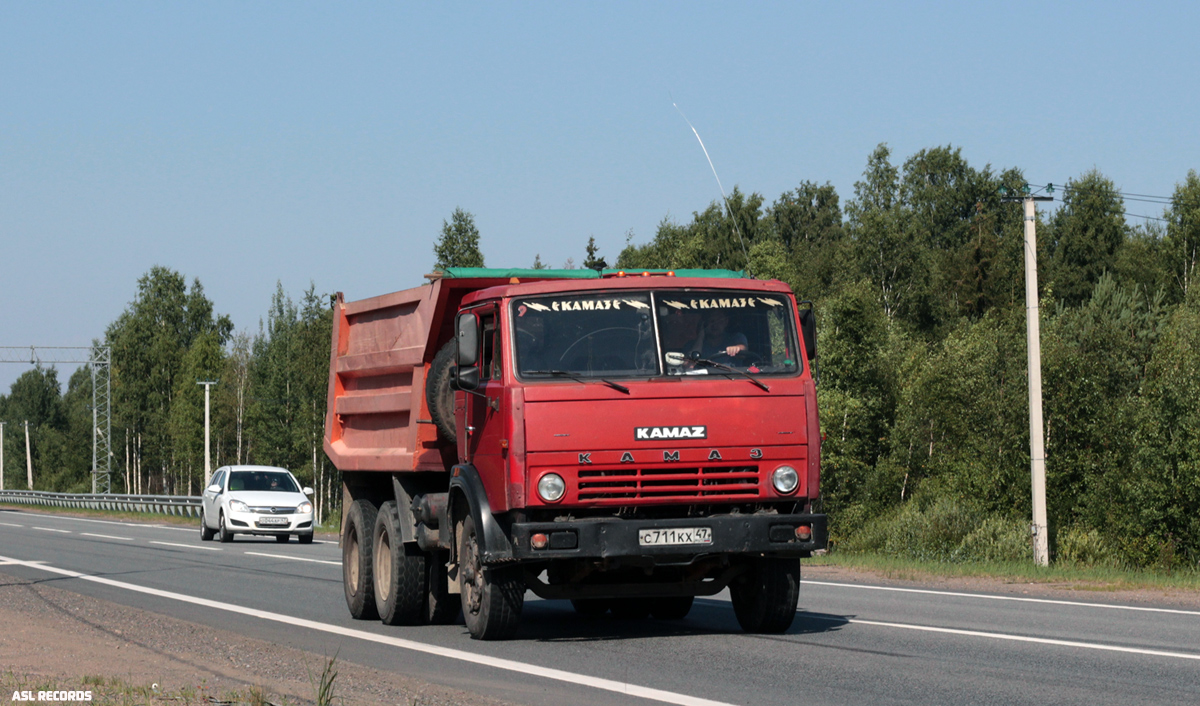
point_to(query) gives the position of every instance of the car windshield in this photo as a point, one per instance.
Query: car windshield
(262, 480)
(647, 334)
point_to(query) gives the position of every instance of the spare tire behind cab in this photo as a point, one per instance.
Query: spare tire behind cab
(438, 394)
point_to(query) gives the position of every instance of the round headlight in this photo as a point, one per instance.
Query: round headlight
(551, 487)
(785, 479)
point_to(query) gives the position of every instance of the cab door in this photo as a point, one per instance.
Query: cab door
(486, 408)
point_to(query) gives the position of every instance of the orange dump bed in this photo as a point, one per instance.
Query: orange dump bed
(377, 419)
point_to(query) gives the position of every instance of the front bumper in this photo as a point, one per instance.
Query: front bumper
(612, 537)
(252, 523)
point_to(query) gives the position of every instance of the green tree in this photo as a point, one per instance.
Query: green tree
(1085, 234)
(591, 261)
(538, 264)
(458, 245)
(1183, 232)
(149, 341)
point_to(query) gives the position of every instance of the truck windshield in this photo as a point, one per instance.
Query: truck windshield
(647, 334)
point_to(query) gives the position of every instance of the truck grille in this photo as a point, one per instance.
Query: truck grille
(669, 483)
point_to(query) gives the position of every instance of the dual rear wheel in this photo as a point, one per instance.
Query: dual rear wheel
(388, 579)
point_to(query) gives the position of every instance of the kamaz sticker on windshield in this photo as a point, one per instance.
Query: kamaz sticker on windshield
(722, 303)
(649, 433)
(582, 305)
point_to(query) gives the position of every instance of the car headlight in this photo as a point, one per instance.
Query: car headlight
(238, 506)
(305, 508)
(551, 487)
(785, 479)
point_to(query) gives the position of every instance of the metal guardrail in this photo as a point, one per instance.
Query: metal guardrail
(180, 505)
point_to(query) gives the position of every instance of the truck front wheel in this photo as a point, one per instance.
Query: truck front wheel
(492, 597)
(356, 560)
(399, 571)
(766, 595)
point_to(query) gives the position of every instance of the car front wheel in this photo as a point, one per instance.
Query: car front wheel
(223, 533)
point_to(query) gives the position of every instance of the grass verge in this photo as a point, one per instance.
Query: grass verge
(1082, 578)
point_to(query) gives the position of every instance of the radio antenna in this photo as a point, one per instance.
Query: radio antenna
(729, 210)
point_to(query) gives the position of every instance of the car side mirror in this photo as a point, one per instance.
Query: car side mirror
(214, 488)
(468, 339)
(808, 326)
(467, 379)
(307, 490)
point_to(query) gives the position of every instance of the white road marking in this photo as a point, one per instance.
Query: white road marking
(9, 524)
(627, 689)
(294, 558)
(105, 536)
(1015, 638)
(16, 562)
(187, 546)
(51, 529)
(1110, 606)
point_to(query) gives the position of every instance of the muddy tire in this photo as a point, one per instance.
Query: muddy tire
(438, 394)
(356, 560)
(765, 597)
(673, 608)
(492, 597)
(399, 572)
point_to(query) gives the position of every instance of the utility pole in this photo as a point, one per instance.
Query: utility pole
(1033, 339)
(207, 453)
(28, 457)
(2, 454)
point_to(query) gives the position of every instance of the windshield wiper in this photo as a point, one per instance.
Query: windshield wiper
(722, 366)
(577, 378)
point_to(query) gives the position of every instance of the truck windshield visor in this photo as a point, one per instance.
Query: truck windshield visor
(705, 332)
(608, 334)
(649, 334)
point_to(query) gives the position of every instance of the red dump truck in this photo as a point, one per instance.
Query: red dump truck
(628, 441)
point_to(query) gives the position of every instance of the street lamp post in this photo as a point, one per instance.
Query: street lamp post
(28, 457)
(2, 454)
(207, 452)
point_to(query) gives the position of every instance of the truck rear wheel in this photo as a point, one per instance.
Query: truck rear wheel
(438, 394)
(492, 597)
(765, 597)
(356, 560)
(399, 570)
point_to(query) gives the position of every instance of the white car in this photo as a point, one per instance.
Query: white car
(260, 500)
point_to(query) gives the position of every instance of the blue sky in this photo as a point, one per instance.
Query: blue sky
(249, 143)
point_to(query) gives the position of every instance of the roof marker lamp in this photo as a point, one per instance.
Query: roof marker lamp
(785, 479)
(551, 487)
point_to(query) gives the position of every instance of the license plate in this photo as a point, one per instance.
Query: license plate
(674, 536)
(273, 521)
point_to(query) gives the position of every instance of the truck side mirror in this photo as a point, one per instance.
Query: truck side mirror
(468, 340)
(467, 379)
(808, 326)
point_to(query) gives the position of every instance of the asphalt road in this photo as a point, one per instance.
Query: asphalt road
(850, 644)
